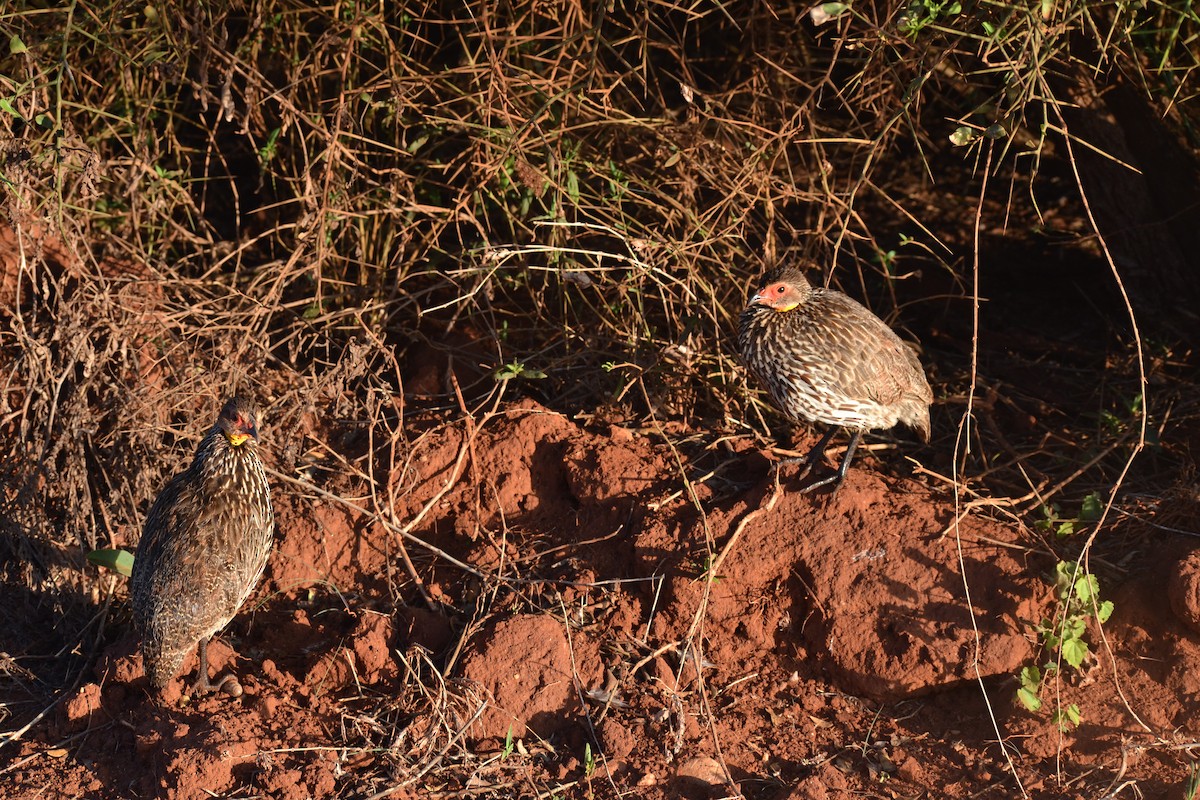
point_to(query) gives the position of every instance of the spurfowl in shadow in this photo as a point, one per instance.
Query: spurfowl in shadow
(203, 549)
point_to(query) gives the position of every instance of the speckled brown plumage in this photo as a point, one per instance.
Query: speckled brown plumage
(203, 548)
(825, 358)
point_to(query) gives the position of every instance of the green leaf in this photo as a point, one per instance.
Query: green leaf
(1105, 611)
(6, 105)
(824, 12)
(417, 144)
(267, 152)
(1092, 508)
(1086, 588)
(508, 744)
(1064, 576)
(16, 46)
(1074, 651)
(1049, 518)
(589, 760)
(963, 135)
(573, 186)
(117, 560)
(518, 370)
(1029, 699)
(1068, 717)
(1192, 785)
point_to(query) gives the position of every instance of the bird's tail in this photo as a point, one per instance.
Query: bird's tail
(162, 665)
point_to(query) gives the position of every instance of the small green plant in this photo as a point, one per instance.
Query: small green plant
(922, 13)
(885, 259)
(516, 369)
(508, 745)
(1031, 687)
(1067, 717)
(1079, 600)
(1092, 508)
(618, 182)
(964, 135)
(703, 569)
(1052, 520)
(1115, 424)
(1192, 787)
(267, 153)
(589, 761)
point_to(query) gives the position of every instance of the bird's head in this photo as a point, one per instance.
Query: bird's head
(238, 421)
(782, 290)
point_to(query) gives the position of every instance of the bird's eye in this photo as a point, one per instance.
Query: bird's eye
(780, 289)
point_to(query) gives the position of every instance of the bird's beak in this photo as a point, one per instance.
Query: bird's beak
(238, 438)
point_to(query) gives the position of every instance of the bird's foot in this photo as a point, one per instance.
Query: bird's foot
(836, 479)
(227, 685)
(810, 464)
(839, 475)
(809, 461)
(787, 462)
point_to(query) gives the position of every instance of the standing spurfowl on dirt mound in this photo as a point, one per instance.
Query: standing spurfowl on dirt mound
(825, 358)
(203, 548)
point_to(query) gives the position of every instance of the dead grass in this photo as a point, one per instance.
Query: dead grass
(299, 202)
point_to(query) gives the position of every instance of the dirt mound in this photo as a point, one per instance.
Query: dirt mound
(871, 581)
(836, 648)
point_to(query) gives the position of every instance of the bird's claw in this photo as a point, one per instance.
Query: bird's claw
(227, 685)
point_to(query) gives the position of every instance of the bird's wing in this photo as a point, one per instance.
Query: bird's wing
(874, 364)
(184, 560)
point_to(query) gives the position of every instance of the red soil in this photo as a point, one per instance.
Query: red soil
(837, 653)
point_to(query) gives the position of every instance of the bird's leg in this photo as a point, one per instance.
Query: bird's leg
(814, 456)
(839, 476)
(229, 684)
(201, 686)
(811, 459)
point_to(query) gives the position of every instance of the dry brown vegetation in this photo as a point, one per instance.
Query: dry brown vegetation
(388, 223)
